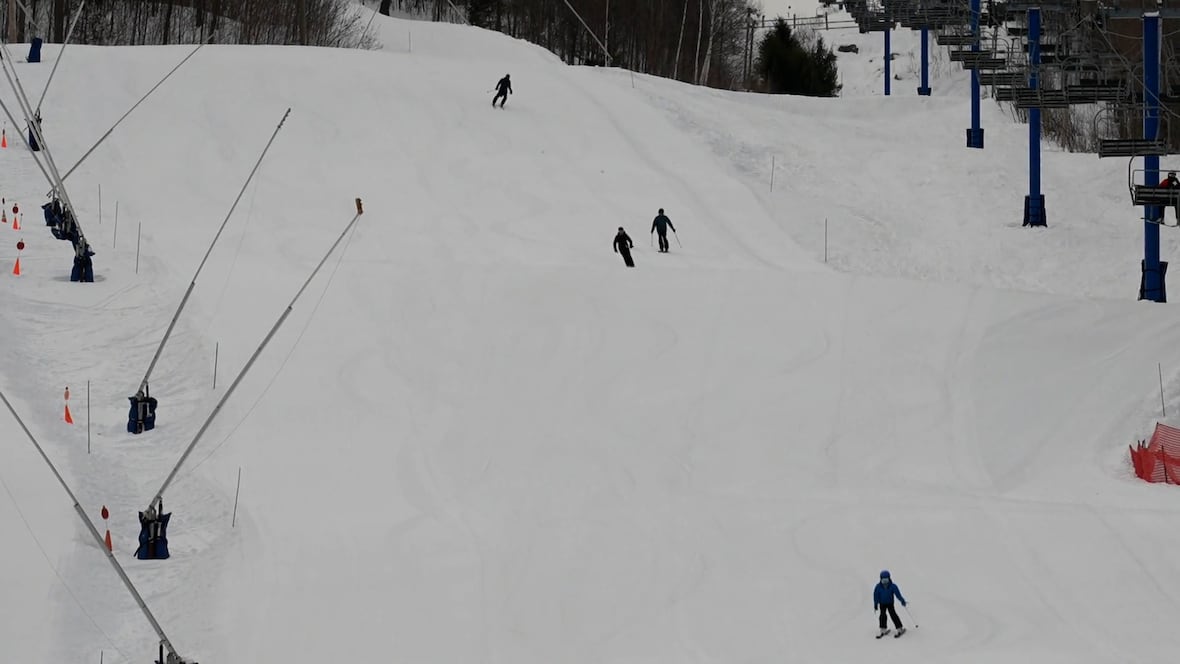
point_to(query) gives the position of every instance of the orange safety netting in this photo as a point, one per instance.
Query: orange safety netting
(1158, 460)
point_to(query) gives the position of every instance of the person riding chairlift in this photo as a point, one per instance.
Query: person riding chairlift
(1170, 182)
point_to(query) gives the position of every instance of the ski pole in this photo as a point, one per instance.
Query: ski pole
(652, 237)
(911, 615)
(677, 238)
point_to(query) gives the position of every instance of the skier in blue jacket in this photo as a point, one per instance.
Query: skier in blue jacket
(883, 596)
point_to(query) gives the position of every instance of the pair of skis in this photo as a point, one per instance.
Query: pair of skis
(888, 631)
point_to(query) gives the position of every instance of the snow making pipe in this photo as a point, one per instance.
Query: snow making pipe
(29, 20)
(458, 14)
(60, 53)
(35, 127)
(156, 500)
(129, 111)
(93, 531)
(605, 53)
(184, 300)
(24, 139)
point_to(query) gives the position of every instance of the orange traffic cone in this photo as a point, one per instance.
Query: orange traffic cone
(16, 268)
(69, 420)
(110, 547)
(15, 223)
(3, 138)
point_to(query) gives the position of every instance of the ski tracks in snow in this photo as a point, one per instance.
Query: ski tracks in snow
(721, 219)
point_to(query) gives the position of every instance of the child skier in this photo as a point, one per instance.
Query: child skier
(883, 596)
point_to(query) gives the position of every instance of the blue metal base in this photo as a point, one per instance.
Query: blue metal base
(975, 138)
(1162, 295)
(924, 92)
(1034, 213)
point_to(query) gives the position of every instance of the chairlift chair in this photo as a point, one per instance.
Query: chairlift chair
(1095, 93)
(955, 39)
(1130, 146)
(1003, 78)
(1153, 196)
(1041, 98)
(982, 60)
(1005, 93)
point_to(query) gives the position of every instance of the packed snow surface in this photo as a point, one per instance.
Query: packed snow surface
(478, 437)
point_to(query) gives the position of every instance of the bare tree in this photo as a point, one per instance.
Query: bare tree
(713, 14)
(312, 22)
(680, 40)
(643, 35)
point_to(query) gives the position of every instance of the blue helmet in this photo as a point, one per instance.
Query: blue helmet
(884, 574)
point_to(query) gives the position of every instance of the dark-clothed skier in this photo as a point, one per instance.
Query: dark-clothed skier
(503, 89)
(623, 245)
(883, 596)
(661, 224)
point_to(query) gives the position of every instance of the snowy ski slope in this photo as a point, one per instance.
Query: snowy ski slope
(478, 437)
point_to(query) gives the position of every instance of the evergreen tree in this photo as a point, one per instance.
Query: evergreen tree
(483, 13)
(824, 69)
(787, 65)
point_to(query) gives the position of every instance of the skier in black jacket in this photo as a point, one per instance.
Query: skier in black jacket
(503, 89)
(623, 245)
(661, 224)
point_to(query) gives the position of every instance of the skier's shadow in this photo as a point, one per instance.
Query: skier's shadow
(97, 278)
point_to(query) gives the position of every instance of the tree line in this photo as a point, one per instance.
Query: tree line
(337, 23)
(718, 43)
